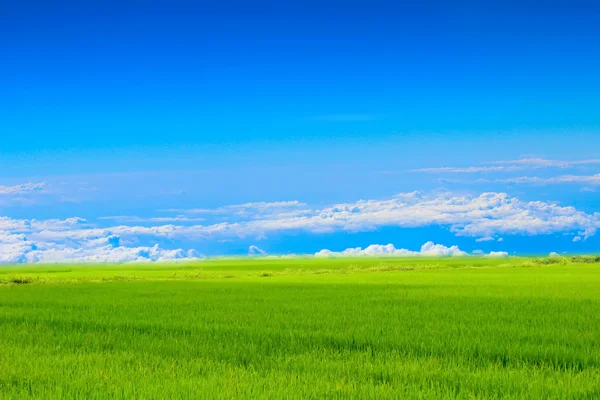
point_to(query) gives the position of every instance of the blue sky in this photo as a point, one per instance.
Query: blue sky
(146, 120)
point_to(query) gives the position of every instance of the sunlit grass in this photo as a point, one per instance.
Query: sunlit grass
(303, 328)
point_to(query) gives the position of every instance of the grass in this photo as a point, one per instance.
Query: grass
(303, 328)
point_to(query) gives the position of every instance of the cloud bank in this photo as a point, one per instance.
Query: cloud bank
(429, 249)
(72, 239)
(483, 217)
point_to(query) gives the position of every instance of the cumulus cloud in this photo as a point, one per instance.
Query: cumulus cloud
(99, 251)
(497, 254)
(482, 217)
(72, 239)
(429, 249)
(372, 250)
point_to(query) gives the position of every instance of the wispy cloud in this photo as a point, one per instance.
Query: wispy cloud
(534, 180)
(23, 188)
(575, 179)
(510, 166)
(537, 162)
(133, 218)
(255, 208)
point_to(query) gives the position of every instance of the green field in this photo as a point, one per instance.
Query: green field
(303, 328)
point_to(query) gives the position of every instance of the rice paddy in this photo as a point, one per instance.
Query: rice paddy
(522, 328)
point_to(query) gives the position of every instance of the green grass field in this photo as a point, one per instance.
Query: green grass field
(303, 328)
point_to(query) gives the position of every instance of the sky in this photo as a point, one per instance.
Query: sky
(145, 131)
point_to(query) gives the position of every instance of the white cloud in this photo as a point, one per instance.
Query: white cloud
(497, 254)
(22, 188)
(133, 218)
(482, 217)
(28, 251)
(579, 179)
(485, 239)
(486, 215)
(535, 180)
(105, 254)
(438, 250)
(537, 162)
(372, 250)
(510, 166)
(256, 251)
(577, 239)
(72, 239)
(429, 249)
(246, 208)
